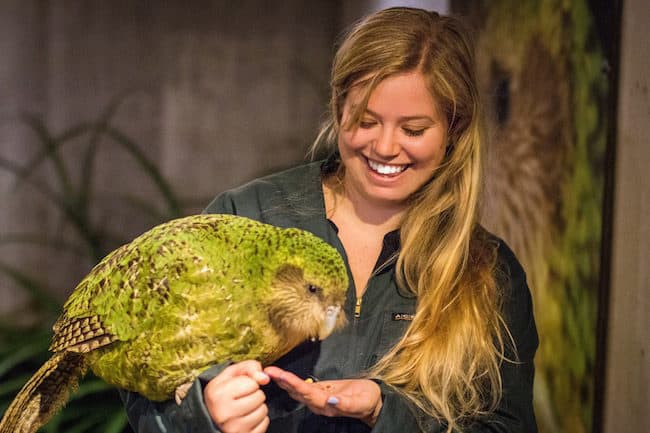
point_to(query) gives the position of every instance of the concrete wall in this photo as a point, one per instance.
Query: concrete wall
(627, 399)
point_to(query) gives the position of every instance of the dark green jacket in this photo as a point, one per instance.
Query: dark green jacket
(294, 198)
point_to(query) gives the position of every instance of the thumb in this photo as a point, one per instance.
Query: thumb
(250, 368)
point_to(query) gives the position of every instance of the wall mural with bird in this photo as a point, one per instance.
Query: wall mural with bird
(541, 70)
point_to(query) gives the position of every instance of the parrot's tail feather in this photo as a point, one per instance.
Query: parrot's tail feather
(45, 393)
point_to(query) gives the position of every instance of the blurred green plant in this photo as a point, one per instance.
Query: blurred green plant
(96, 406)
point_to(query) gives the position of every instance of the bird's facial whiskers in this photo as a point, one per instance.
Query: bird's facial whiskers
(331, 322)
(301, 308)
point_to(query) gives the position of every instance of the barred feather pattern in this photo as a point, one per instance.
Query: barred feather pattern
(45, 393)
(183, 296)
(80, 335)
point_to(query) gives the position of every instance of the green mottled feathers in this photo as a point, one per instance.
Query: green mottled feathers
(191, 293)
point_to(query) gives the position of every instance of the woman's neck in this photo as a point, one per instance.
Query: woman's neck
(344, 204)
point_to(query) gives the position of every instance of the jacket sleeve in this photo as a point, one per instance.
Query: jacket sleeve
(191, 416)
(514, 413)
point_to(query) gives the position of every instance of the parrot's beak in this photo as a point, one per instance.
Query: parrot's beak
(330, 322)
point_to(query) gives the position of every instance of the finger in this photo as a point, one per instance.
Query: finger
(254, 370)
(309, 394)
(312, 394)
(242, 389)
(250, 368)
(249, 421)
(225, 394)
(261, 427)
(250, 402)
(346, 406)
(332, 405)
(249, 410)
(356, 398)
(339, 405)
(289, 381)
(273, 371)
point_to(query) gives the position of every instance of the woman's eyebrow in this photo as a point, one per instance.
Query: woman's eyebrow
(403, 118)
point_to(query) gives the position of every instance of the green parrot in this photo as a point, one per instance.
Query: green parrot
(187, 294)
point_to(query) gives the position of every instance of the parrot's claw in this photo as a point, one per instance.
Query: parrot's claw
(181, 392)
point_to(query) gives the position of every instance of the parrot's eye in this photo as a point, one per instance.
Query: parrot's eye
(312, 288)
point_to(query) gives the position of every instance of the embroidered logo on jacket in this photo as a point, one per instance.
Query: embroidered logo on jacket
(402, 317)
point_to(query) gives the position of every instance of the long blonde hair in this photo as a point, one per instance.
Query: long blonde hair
(447, 362)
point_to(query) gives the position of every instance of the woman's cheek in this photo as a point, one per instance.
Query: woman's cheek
(355, 140)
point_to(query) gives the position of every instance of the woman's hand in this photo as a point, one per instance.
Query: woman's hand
(354, 398)
(235, 401)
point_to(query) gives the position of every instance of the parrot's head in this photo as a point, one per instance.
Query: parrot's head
(308, 288)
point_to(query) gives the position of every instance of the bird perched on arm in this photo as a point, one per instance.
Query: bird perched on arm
(188, 294)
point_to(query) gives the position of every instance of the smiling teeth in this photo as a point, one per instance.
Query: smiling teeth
(386, 169)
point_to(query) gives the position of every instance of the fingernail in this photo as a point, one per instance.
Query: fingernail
(333, 401)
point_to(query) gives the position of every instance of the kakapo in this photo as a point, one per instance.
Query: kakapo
(185, 295)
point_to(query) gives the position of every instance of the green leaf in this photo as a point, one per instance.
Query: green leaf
(89, 387)
(145, 206)
(150, 169)
(27, 351)
(96, 130)
(82, 423)
(59, 140)
(117, 422)
(40, 187)
(64, 203)
(11, 387)
(50, 147)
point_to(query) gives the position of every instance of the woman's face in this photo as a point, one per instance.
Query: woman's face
(397, 146)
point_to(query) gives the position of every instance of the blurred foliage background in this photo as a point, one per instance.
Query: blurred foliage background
(95, 407)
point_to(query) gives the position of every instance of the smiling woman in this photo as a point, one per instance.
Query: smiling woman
(440, 333)
(397, 145)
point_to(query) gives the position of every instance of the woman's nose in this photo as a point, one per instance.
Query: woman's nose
(386, 144)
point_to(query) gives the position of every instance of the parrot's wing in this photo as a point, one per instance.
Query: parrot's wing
(125, 292)
(107, 305)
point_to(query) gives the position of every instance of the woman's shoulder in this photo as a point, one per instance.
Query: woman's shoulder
(508, 272)
(507, 266)
(517, 302)
(267, 193)
(288, 178)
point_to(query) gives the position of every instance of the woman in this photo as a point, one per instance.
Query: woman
(441, 335)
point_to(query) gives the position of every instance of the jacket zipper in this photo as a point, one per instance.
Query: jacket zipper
(357, 305)
(357, 308)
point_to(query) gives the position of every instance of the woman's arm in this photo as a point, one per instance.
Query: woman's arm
(191, 415)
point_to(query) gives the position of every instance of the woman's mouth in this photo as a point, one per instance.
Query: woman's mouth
(386, 169)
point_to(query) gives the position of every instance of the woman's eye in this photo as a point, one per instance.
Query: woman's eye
(414, 132)
(367, 124)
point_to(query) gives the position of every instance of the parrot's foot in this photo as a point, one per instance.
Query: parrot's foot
(181, 392)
